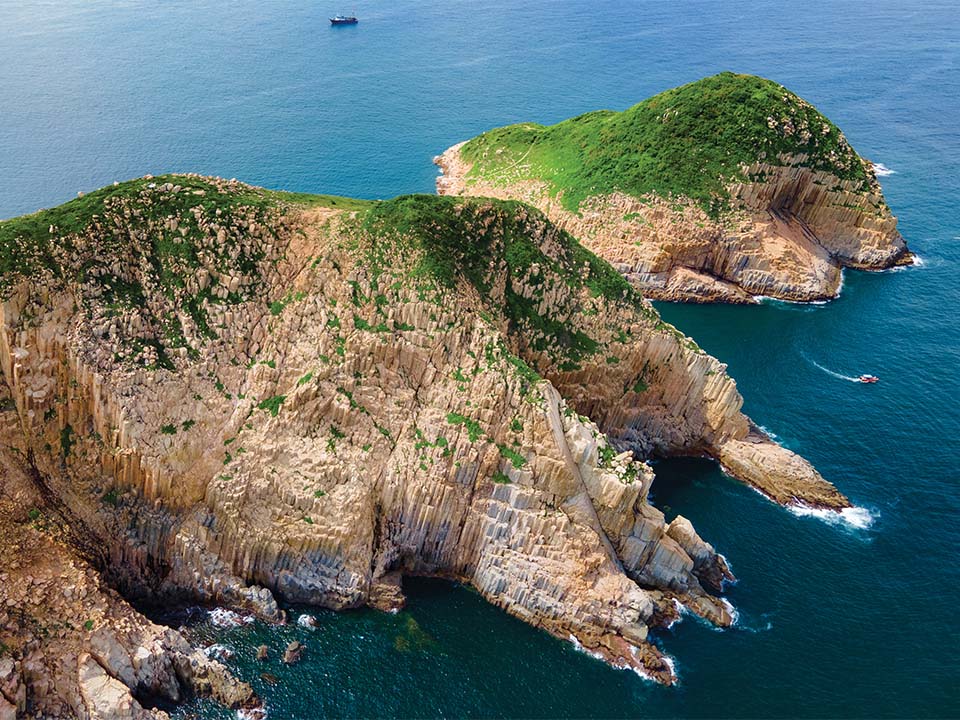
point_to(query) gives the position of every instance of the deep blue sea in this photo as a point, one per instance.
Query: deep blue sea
(834, 620)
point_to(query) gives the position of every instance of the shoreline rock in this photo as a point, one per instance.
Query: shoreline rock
(788, 238)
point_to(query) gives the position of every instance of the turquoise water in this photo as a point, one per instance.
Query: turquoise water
(835, 620)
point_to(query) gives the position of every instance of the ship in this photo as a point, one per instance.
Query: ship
(344, 20)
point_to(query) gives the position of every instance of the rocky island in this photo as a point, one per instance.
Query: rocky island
(214, 393)
(723, 190)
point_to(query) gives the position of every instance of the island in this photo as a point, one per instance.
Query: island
(728, 189)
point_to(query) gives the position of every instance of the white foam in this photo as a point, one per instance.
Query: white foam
(681, 611)
(839, 376)
(855, 517)
(252, 713)
(307, 621)
(580, 648)
(754, 630)
(768, 299)
(782, 301)
(882, 170)
(769, 434)
(734, 613)
(222, 617)
(218, 652)
(724, 583)
(672, 664)
(637, 669)
(915, 262)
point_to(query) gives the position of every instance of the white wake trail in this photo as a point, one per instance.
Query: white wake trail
(828, 371)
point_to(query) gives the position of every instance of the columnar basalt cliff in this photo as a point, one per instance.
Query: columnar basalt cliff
(722, 190)
(247, 397)
(70, 646)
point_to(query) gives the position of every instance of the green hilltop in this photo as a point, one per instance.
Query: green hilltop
(33, 242)
(682, 142)
(136, 246)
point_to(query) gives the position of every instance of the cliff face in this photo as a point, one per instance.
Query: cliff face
(243, 400)
(69, 645)
(747, 198)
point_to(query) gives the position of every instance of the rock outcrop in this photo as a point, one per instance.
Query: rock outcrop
(776, 211)
(246, 399)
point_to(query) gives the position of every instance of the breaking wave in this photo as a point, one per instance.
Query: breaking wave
(224, 618)
(855, 517)
(218, 652)
(307, 621)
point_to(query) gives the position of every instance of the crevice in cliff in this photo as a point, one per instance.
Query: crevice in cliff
(84, 542)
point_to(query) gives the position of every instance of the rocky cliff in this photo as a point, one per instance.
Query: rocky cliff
(70, 646)
(246, 397)
(722, 190)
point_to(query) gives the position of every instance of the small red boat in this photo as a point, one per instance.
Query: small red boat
(868, 378)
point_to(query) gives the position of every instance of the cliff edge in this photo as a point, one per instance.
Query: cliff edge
(726, 189)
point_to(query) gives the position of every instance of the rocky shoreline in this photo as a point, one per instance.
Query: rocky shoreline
(787, 239)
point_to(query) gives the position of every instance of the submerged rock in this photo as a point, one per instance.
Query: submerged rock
(293, 653)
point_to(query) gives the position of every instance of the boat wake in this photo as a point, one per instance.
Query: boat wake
(882, 170)
(828, 371)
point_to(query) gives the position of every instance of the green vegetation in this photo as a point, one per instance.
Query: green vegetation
(474, 431)
(682, 142)
(27, 243)
(272, 404)
(34, 514)
(515, 458)
(169, 429)
(66, 441)
(110, 497)
(449, 240)
(500, 478)
(332, 202)
(161, 231)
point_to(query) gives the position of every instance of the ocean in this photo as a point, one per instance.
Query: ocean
(854, 619)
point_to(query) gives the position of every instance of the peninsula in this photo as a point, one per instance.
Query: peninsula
(214, 393)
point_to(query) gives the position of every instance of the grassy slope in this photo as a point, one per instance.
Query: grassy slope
(681, 142)
(508, 251)
(488, 242)
(26, 242)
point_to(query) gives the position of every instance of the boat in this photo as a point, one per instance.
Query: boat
(868, 378)
(344, 20)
